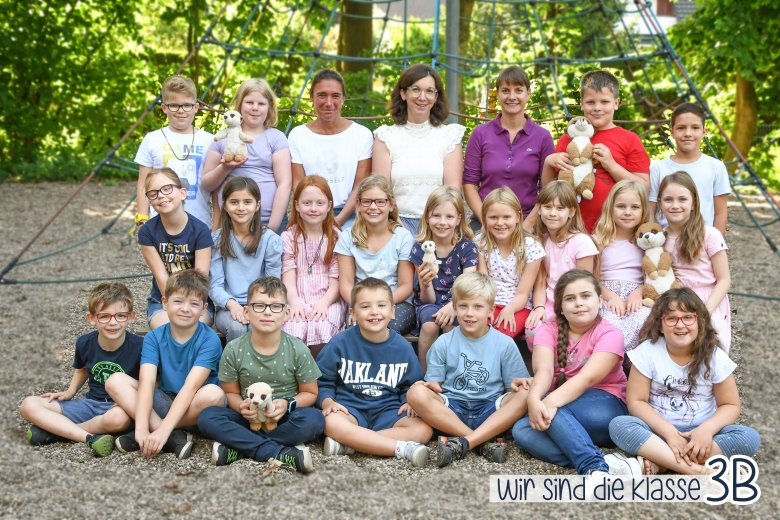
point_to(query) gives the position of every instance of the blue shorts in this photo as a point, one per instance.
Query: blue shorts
(474, 412)
(377, 420)
(82, 410)
(161, 402)
(153, 307)
(426, 311)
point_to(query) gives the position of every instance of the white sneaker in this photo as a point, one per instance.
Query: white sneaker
(334, 447)
(621, 464)
(417, 454)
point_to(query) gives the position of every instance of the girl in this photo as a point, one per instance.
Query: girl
(620, 259)
(378, 246)
(444, 223)
(682, 395)
(268, 161)
(245, 252)
(566, 244)
(579, 385)
(310, 270)
(698, 252)
(510, 257)
(171, 241)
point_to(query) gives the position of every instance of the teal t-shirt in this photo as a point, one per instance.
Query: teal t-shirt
(291, 365)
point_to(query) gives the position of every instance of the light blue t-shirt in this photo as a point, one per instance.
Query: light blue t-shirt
(174, 360)
(230, 277)
(474, 369)
(384, 263)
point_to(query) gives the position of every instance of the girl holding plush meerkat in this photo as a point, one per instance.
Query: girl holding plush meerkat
(698, 251)
(444, 224)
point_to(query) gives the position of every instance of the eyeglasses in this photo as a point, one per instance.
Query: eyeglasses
(687, 320)
(276, 308)
(165, 190)
(380, 203)
(120, 317)
(175, 107)
(416, 91)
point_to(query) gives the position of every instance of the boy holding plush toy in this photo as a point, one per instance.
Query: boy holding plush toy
(287, 377)
(617, 153)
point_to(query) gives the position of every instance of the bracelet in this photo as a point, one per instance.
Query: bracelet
(140, 219)
(538, 307)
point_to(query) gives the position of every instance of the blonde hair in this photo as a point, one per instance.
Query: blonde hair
(605, 231)
(179, 85)
(359, 230)
(262, 87)
(165, 172)
(474, 285)
(692, 234)
(568, 198)
(439, 196)
(487, 243)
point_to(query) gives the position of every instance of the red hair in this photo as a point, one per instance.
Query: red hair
(328, 225)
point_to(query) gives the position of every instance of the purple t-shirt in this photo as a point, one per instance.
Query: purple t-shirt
(259, 166)
(463, 255)
(493, 162)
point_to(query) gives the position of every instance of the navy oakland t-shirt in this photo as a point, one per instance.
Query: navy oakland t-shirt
(100, 364)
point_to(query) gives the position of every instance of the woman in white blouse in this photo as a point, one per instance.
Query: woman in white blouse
(419, 152)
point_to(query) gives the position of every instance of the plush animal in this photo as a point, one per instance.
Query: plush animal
(580, 151)
(260, 396)
(235, 148)
(429, 260)
(656, 264)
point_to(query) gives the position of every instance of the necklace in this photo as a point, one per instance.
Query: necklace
(189, 150)
(316, 255)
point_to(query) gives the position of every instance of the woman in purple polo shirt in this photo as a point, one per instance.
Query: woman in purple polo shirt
(508, 151)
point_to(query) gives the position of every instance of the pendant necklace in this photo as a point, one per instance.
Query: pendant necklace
(189, 150)
(317, 254)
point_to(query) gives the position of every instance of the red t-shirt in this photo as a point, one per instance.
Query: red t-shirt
(627, 149)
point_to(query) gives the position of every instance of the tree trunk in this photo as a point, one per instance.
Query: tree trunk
(355, 35)
(464, 33)
(745, 118)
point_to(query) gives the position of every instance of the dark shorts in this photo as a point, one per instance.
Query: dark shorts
(161, 402)
(472, 413)
(82, 410)
(426, 311)
(377, 420)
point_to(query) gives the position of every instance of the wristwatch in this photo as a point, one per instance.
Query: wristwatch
(292, 404)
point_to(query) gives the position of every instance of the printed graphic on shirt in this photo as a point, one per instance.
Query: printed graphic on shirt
(676, 397)
(188, 168)
(175, 256)
(473, 376)
(103, 369)
(370, 381)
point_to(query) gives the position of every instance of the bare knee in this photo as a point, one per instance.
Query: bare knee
(429, 327)
(29, 405)
(116, 420)
(418, 394)
(117, 382)
(209, 395)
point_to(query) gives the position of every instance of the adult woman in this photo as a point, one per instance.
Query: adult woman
(419, 152)
(332, 146)
(508, 151)
(268, 162)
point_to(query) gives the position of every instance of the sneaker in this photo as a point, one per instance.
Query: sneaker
(179, 443)
(493, 451)
(298, 458)
(39, 437)
(416, 453)
(334, 447)
(102, 445)
(453, 448)
(126, 443)
(221, 455)
(621, 464)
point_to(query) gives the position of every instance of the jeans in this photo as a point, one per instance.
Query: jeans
(232, 329)
(411, 224)
(229, 427)
(574, 433)
(630, 433)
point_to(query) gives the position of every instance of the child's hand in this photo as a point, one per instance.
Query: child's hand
(153, 443)
(435, 386)
(521, 383)
(559, 161)
(602, 154)
(297, 312)
(246, 410)
(445, 316)
(279, 410)
(679, 446)
(537, 412)
(699, 445)
(232, 164)
(506, 318)
(425, 276)
(58, 396)
(237, 312)
(616, 305)
(408, 409)
(319, 311)
(334, 407)
(534, 318)
(633, 302)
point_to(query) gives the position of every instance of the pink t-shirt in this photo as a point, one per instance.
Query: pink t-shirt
(699, 273)
(621, 261)
(562, 258)
(602, 337)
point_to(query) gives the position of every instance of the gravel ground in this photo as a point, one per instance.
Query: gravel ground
(40, 323)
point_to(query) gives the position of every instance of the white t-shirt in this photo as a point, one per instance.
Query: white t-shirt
(184, 154)
(334, 157)
(670, 394)
(503, 271)
(709, 175)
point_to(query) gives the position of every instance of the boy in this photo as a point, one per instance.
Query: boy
(258, 356)
(56, 416)
(179, 146)
(709, 174)
(366, 371)
(617, 153)
(469, 369)
(184, 354)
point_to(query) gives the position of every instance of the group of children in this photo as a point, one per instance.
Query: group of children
(319, 314)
